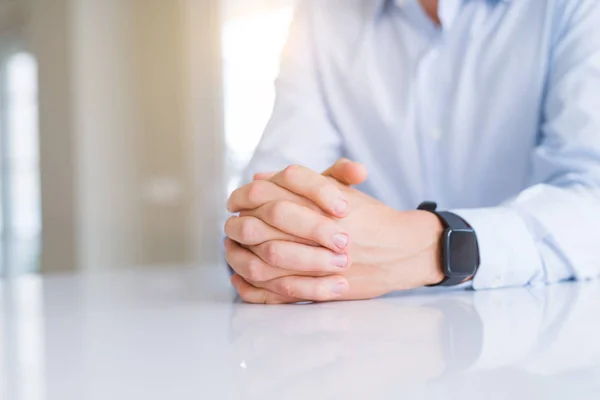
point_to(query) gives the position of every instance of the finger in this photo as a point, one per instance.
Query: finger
(301, 222)
(326, 288)
(301, 258)
(263, 176)
(315, 187)
(347, 172)
(250, 266)
(252, 231)
(257, 193)
(255, 295)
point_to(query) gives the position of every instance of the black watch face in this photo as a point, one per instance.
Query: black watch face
(462, 252)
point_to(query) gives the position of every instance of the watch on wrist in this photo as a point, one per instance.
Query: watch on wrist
(460, 251)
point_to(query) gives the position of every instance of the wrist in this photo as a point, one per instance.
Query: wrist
(418, 260)
(431, 267)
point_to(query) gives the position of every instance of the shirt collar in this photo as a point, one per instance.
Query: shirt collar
(376, 8)
(383, 3)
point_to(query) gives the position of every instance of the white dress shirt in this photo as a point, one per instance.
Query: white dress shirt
(495, 115)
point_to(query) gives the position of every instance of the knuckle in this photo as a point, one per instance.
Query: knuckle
(291, 172)
(255, 271)
(272, 254)
(277, 212)
(255, 192)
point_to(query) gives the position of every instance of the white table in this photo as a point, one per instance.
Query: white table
(180, 334)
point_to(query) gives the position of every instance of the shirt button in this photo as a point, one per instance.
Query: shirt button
(435, 134)
(496, 282)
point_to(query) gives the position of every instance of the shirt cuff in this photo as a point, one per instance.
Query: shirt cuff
(508, 253)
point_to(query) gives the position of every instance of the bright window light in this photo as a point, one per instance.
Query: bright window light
(22, 142)
(252, 46)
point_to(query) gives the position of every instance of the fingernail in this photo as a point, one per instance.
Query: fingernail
(340, 206)
(339, 288)
(340, 260)
(340, 240)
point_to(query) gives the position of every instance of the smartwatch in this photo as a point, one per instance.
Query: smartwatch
(460, 251)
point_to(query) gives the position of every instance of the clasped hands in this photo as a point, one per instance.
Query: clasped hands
(303, 236)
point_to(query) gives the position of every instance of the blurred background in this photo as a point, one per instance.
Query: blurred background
(124, 123)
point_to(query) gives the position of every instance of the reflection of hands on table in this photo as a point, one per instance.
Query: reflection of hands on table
(346, 348)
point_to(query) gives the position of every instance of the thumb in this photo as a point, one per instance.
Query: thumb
(347, 172)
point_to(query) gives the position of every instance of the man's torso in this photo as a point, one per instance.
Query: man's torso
(451, 113)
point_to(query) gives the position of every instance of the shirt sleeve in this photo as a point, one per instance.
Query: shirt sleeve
(300, 130)
(551, 231)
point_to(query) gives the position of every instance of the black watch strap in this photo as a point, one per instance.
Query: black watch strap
(449, 281)
(452, 220)
(448, 220)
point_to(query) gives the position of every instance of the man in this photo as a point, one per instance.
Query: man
(491, 108)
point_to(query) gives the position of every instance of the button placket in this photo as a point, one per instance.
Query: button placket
(428, 119)
(428, 123)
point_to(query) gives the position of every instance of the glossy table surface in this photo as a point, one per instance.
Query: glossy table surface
(181, 334)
